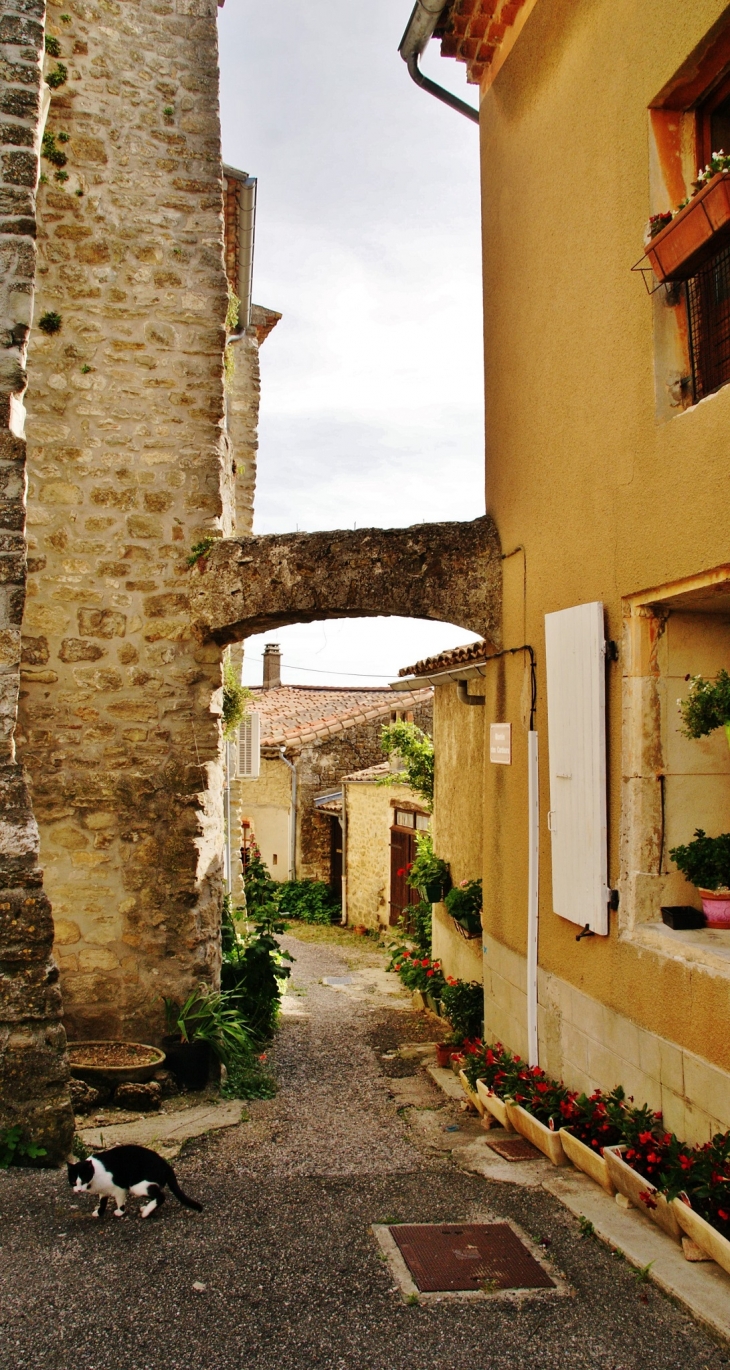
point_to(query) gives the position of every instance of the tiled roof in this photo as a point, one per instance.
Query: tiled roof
(448, 661)
(298, 714)
(481, 33)
(370, 772)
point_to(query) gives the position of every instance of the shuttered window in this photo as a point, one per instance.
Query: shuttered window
(249, 746)
(576, 693)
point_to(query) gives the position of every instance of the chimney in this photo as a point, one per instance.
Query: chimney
(272, 666)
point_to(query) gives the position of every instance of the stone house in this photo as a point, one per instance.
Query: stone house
(378, 825)
(608, 415)
(309, 737)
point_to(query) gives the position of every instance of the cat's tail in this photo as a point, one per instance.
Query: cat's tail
(176, 1190)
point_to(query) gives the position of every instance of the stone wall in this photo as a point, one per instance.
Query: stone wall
(369, 809)
(321, 766)
(33, 1063)
(127, 465)
(446, 572)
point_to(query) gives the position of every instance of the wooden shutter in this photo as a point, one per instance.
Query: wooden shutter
(249, 746)
(576, 693)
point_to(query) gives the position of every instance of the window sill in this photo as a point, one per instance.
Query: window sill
(709, 947)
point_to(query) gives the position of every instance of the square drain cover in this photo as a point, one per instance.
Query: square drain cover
(468, 1256)
(514, 1149)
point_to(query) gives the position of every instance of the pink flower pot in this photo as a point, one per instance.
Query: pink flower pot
(716, 908)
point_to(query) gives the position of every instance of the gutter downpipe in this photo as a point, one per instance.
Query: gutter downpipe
(343, 825)
(246, 244)
(293, 835)
(413, 44)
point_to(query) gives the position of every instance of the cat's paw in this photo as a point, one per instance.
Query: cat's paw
(118, 1212)
(148, 1209)
(95, 1214)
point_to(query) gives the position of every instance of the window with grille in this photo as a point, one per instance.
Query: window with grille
(249, 746)
(708, 313)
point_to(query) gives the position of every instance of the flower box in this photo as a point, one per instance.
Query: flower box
(703, 1234)
(471, 1096)
(547, 1142)
(695, 234)
(586, 1159)
(493, 1104)
(632, 1185)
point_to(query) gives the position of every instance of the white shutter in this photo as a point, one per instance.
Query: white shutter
(249, 746)
(576, 695)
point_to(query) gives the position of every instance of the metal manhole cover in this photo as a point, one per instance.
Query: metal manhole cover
(515, 1149)
(452, 1257)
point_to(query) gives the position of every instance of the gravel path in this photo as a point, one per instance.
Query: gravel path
(284, 1249)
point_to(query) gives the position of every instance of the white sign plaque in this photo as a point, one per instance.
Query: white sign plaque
(500, 743)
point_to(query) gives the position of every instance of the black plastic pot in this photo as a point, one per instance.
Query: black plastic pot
(436, 889)
(188, 1061)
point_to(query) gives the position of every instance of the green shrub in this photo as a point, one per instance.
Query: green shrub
(427, 869)
(705, 861)
(707, 706)
(50, 322)
(253, 964)
(312, 901)
(16, 1148)
(464, 1007)
(464, 903)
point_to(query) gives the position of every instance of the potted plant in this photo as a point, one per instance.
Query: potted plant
(594, 1121)
(492, 1071)
(705, 862)
(702, 1197)
(536, 1109)
(464, 903)
(637, 1165)
(679, 242)
(208, 1022)
(428, 873)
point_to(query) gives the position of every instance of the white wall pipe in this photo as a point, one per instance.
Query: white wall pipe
(533, 870)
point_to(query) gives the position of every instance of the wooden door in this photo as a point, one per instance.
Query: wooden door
(336, 857)
(402, 853)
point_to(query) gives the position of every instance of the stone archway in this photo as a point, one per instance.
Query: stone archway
(447, 572)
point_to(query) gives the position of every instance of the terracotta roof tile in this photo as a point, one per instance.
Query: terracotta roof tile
(468, 21)
(448, 661)
(297, 714)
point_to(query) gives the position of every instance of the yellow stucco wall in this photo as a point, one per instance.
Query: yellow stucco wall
(457, 817)
(607, 494)
(369, 817)
(266, 802)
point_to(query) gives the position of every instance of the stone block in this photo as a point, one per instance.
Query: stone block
(104, 623)
(146, 1098)
(80, 649)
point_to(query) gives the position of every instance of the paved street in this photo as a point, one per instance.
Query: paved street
(291, 1271)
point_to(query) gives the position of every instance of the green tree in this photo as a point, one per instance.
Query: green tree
(414, 748)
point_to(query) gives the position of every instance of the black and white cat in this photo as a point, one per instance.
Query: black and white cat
(124, 1170)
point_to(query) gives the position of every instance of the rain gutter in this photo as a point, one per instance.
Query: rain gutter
(413, 44)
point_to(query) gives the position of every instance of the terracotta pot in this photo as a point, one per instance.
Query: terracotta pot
(699, 231)
(703, 1233)
(471, 1096)
(359, 929)
(586, 1159)
(494, 1105)
(547, 1142)
(443, 1054)
(716, 908)
(632, 1185)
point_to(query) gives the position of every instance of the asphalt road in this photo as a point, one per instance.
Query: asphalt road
(291, 1273)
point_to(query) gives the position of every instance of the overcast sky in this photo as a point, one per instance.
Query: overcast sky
(367, 241)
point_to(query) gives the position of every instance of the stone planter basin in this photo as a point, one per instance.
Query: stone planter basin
(549, 1143)
(85, 1066)
(494, 1105)
(586, 1159)
(632, 1185)
(470, 1094)
(703, 1233)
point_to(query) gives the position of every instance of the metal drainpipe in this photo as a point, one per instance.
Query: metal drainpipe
(293, 838)
(413, 44)
(343, 825)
